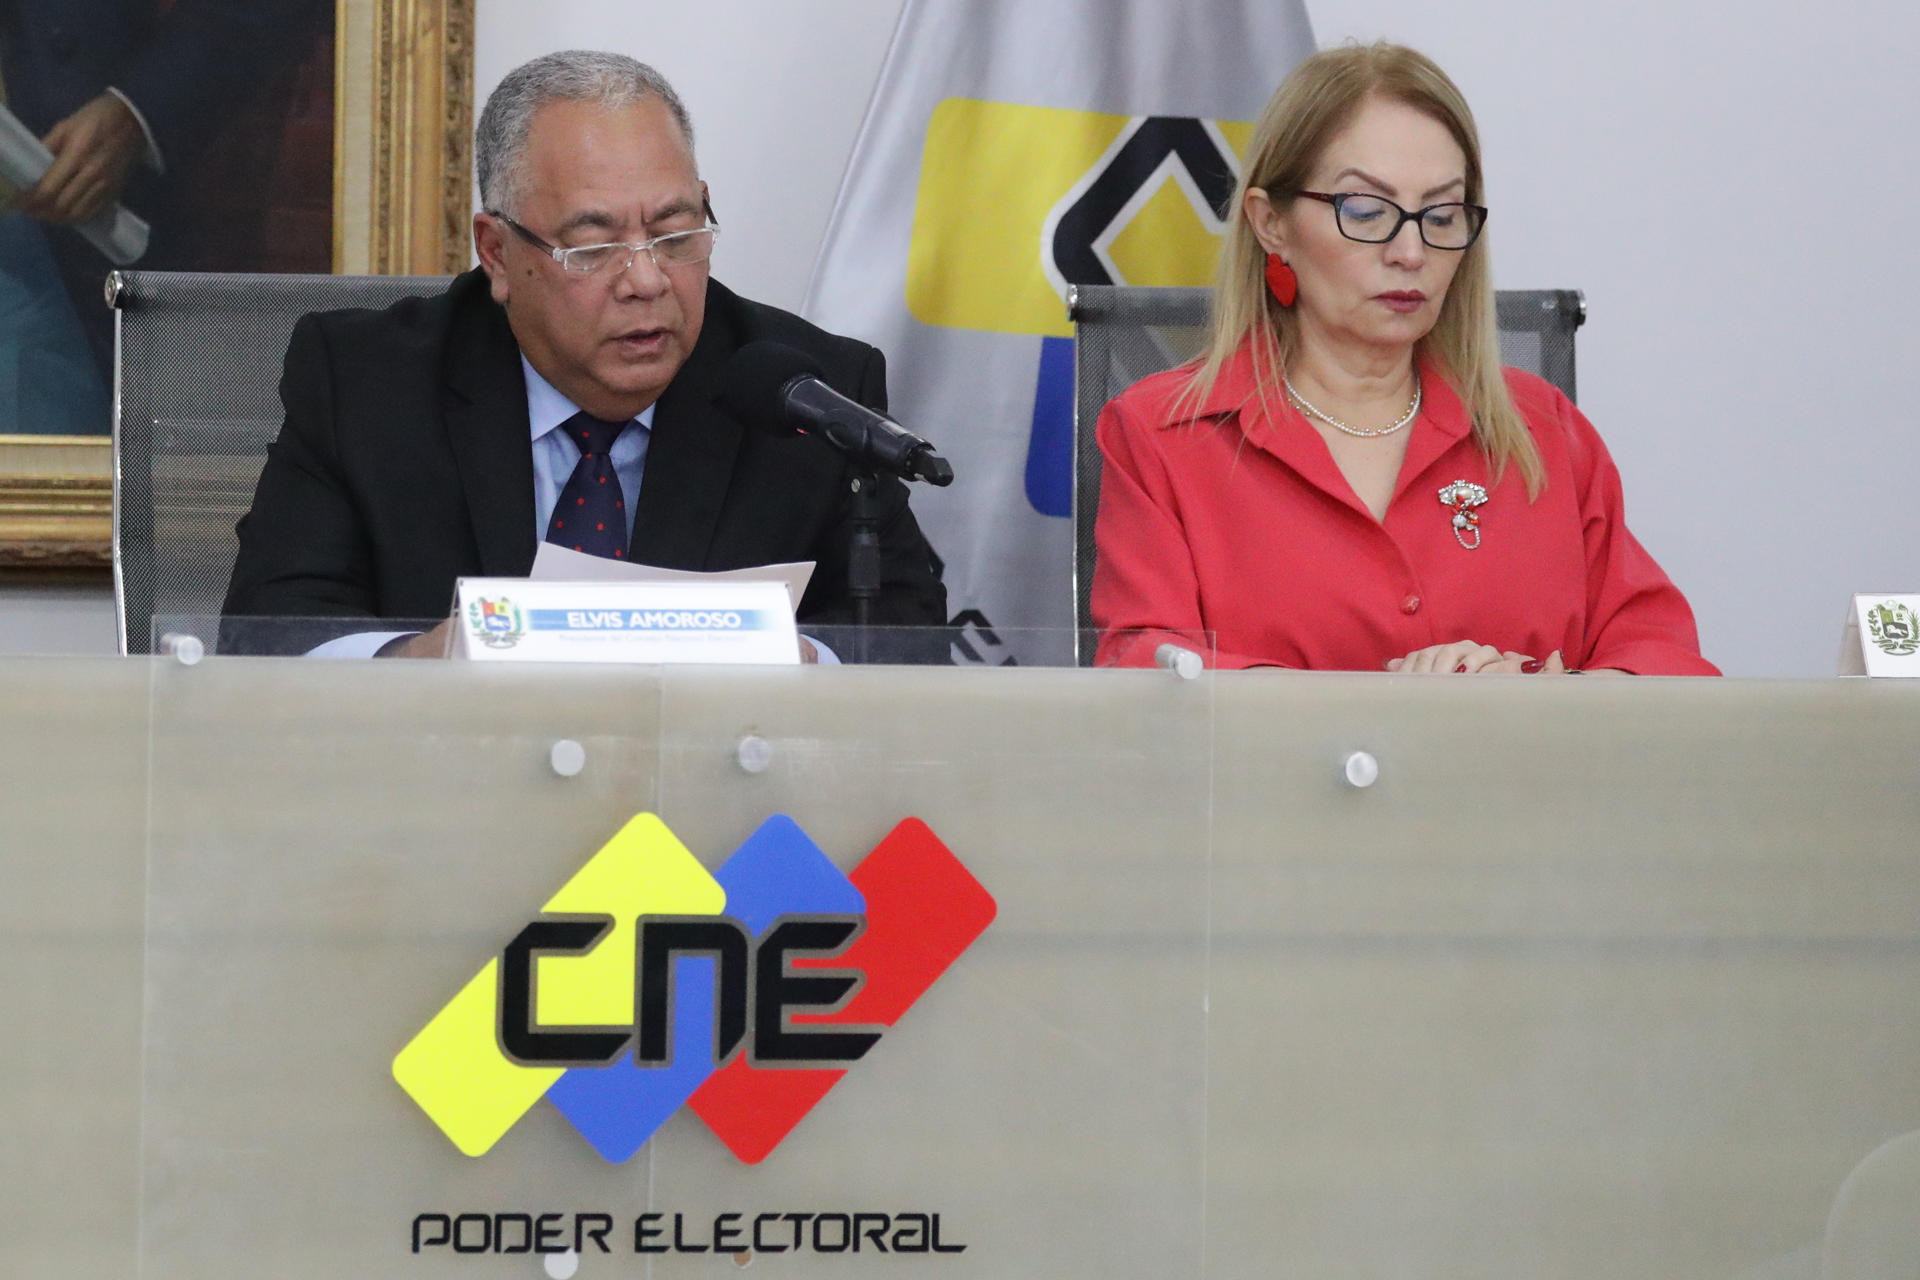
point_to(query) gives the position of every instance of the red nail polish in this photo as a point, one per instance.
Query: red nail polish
(1531, 665)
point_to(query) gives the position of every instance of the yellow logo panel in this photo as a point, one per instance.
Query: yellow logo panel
(454, 1068)
(1015, 203)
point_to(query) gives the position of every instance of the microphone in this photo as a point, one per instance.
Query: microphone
(780, 389)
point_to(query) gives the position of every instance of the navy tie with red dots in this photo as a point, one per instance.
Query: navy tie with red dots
(591, 515)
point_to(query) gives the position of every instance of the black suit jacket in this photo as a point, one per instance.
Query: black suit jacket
(405, 463)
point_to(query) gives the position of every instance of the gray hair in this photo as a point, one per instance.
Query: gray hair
(576, 75)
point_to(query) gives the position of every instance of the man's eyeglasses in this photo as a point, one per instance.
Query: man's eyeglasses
(675, 249)
(1376, 219)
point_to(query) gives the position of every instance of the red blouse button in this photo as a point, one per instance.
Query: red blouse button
(1410, 605)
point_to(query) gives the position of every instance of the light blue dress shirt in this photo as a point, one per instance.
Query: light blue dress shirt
(555, 454)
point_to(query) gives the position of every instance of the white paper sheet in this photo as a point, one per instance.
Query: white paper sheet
(557, 564)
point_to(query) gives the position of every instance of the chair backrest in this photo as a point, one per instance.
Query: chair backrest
(1123, 333)
(196, 403)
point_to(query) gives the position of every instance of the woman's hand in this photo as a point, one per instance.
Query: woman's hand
(1464, 657)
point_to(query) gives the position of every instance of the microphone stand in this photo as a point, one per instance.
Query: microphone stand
(863, 561)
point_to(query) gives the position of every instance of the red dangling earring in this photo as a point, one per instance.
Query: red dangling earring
(1281, 282)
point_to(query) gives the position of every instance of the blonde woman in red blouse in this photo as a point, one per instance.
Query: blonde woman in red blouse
(1348, 479)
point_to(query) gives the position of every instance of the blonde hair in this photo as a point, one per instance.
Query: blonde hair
(1309, 108)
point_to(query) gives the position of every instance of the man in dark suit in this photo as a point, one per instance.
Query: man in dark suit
(405, 460)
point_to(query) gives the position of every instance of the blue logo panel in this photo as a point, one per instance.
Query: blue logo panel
(1050, 448)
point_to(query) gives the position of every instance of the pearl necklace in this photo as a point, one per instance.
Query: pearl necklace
(1413, 411)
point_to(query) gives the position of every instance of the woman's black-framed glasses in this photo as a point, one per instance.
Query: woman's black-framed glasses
(1375, 219)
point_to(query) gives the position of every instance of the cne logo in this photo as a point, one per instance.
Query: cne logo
(647, 984)
(1018, 203)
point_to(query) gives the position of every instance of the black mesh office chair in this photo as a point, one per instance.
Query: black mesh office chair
(196, 403)
(1123, 333)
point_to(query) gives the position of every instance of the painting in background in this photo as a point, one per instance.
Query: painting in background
(212, 120)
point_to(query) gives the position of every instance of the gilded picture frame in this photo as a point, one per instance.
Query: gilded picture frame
(402, 182)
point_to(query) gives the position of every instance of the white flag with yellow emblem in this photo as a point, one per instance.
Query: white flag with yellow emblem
(1014, 148)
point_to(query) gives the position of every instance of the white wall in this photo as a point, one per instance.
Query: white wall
(58, 617)
(1688, 163)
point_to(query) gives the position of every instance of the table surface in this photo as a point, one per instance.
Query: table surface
(1599, 978)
